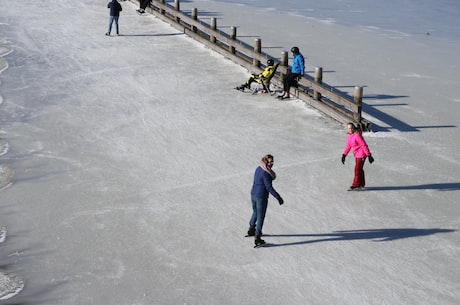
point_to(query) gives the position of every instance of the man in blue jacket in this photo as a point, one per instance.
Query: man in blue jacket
(295, 74)
(261, 188)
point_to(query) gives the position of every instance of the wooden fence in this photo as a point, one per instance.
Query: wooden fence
(311, 89)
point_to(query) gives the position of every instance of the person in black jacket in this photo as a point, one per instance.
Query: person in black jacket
(142, 6)
(115, 9)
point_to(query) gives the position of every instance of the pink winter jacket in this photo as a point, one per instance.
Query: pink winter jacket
(356, 142)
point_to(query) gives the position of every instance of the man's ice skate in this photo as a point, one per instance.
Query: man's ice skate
(251, 231)
(259, 242)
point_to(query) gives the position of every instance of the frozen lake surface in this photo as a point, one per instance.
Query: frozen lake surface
(126, 164)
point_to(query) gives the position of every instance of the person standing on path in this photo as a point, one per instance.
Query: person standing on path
(261, 188)
(361, 151)
(294, 74)
(115, 9)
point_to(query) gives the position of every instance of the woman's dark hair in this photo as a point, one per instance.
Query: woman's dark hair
(266, 158)
(353, 127)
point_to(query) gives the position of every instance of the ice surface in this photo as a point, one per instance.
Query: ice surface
(133, 159)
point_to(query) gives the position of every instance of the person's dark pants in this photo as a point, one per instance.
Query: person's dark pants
(290, 80)
(143, 4)
(251, 79)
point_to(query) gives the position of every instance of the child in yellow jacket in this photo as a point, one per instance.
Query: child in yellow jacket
(266, 74)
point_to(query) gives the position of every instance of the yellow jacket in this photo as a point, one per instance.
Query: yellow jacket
(268, 71)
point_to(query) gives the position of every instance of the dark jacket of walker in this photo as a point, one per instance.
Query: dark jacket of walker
(115, 8)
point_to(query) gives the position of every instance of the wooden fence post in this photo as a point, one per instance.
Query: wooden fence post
(212, 38)
(162, 11)
(319, 81)
(233, 36)
(177, 8)
(194, 17)
(358, 98)
(284, 62)
(257, 49)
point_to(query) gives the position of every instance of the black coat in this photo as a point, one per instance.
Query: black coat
(115, 8)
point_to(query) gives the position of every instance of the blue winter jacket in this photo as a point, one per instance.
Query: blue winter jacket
(298, 64)
(263, 185)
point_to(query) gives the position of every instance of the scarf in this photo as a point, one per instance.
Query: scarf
(268, 170)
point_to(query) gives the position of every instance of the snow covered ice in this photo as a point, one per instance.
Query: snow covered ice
(126, 164)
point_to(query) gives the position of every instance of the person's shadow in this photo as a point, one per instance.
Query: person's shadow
(454, 186)
(375, 235)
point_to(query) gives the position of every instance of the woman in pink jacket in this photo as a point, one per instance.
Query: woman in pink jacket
(361, 151)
